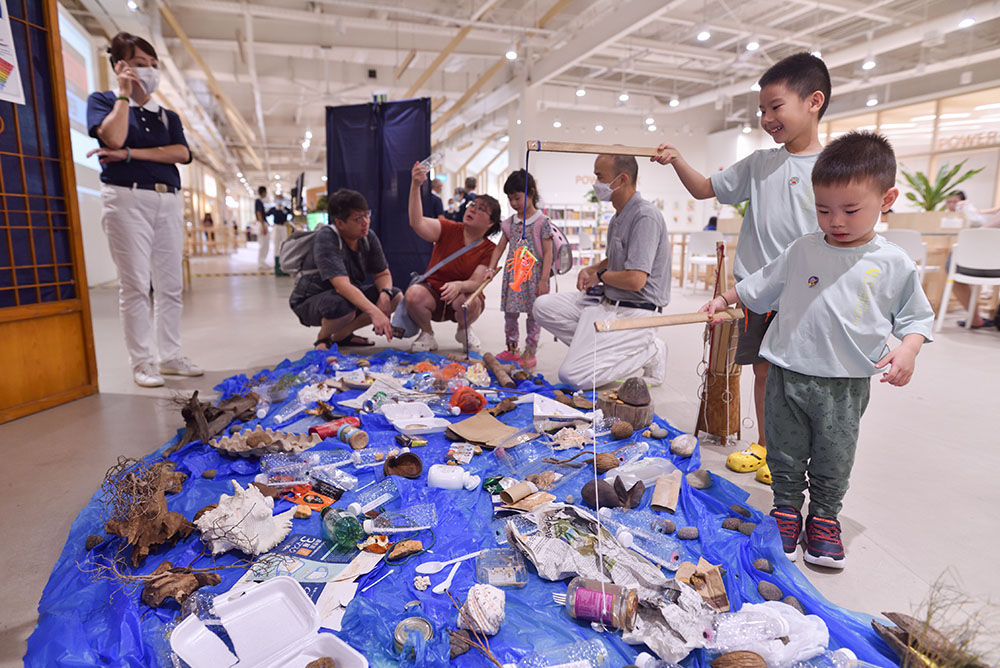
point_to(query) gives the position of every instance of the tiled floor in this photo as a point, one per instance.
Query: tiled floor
(923, 502)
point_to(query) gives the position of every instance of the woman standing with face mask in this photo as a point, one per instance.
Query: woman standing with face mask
(140, 144)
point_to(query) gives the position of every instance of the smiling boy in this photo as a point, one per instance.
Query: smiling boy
(794, 94)
(843, 291)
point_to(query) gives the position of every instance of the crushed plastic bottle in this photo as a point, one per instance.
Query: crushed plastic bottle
(413, 518)
(841, 658)
(633, 531)
(375, 455)
(631, 452)
(335, 458)
(580, 654)
(371, 498)
(331, 480)
(733, 631)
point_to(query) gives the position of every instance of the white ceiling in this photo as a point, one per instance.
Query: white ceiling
(277, 63)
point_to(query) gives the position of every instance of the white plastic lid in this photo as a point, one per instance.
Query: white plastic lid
(471, 481)
(846, 653)
(354, 508)
(625, 537)
(644, 659)
(368, 526)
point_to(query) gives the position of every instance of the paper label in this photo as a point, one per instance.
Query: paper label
(590, 604)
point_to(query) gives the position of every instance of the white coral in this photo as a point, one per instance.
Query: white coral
(244, 521)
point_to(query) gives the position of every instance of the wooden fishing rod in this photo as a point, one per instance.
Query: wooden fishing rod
(597, 149)
(648, 322)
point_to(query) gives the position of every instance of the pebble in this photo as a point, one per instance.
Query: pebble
(322, 662)
(569, 499)
(687, 533)
(683, 445)
(303, 513)
(700, 479)
(93, 540)
(740, 510)
(663, 525)
(478, 450)
(769, 591)
(764, 565)
(209, 473)
(656, 431)
(746, 528)
(731, 523)
(460, 643)
(795, 603)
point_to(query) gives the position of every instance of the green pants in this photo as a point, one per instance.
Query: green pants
(811, 425)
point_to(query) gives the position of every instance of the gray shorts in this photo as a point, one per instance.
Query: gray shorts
(752, 327)
(329, 305)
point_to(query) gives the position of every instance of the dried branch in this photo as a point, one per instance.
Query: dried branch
(479, 640)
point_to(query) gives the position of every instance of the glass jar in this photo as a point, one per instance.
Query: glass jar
(604, 602)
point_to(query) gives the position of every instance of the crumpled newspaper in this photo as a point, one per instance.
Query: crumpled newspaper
(672, 615)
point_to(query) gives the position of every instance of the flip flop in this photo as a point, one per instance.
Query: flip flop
(986, 323)
(328, 342)
(747, 461)
(356, 341)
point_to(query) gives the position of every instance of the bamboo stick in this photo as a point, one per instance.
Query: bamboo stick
(478, 291)
(605, 149)
(665, 320)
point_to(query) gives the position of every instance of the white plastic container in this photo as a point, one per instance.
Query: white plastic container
(414, 418)
(451, 477)
(249, 619)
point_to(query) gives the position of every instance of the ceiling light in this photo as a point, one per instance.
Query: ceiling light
(556, 123)
(505, 139)
(277, 177)
(753, 45)
(651, 128)
(746, 128)
(755, 87)
(704, 35)
(511, 54)
(674, 101)
(519, 121)
(239, 175)
(869, 64)
(598, 128)
(817, 53)
(309, 134)
(928, 117)
(581, 91)
(967, 22)
(650, 120)
(959, 115)
(872, 101)
(323, 178)
(623, 97)
(994, 105)
(131, 4)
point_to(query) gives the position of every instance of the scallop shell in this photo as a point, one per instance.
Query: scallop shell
(259, 442)
(244, 521)
(484, 606)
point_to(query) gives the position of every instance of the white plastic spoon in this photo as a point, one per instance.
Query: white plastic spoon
(432, 567)
(439, 589)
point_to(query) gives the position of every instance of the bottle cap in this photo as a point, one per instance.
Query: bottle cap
(625, 537)
(368, 526)
(846, 653)
(354, 509)
(644, 660)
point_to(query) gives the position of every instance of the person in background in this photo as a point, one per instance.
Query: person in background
(975, 218)
(143, 207)
(433, 206)
(208, 226)
(451, 208)
(470, 195)
(441, 295)
(712, 222)
(263, 238)
(459, 200)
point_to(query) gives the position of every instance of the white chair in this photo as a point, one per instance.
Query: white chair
(977, 250)
(913, 243)
(701, 252)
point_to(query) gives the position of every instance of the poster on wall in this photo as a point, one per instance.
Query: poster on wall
(10, 75)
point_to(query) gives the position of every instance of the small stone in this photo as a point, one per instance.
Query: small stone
(209, 473)
(405, 548)
(569, 499)
(421, 582)
(539, 380)
(700, 479)
(769, 591)
(460, 643)
(763, 565)
(795, 603)
(740, 510)
(303, 513)
(93, 540)
(322, 662)
(731, 523)
(452, 462)
(746, 528)
(683, 445)
(647, 434)
(656, 431)
(477, 450)
(663, 525)
(364, 364)
(687, 533)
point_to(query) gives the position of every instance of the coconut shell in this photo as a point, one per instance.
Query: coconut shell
(605, 462)
(634, 392)
(740, 659)
(621, 430)
(407, 465)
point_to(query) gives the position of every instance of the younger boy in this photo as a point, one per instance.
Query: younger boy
(842, 291)
(794, 94)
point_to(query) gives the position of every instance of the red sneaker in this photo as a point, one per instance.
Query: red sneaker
(790, 527)
(823, 544)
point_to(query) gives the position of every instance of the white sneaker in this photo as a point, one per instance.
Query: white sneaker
(180, 366)
(425, 342)
(654, 372)
(146, 375)
(474, 343)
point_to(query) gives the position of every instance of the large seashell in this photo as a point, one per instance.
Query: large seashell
(244, 521)
(484, 607)
(259, 442)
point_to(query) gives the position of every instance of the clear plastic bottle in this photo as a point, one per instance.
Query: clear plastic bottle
(372, 497)
(645, 660)
(263, 405)
(414, 518)
(580, 654)
(341, 527)
(631, 452)
(605, 602)
(841, 658)
(329, 480)
(633, 531)
(732, 631)
(335, 458)
(289, 411)
(375, 455)
(433, 160)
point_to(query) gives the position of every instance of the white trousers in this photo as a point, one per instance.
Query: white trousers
(145, 231)
(264, 242)
(620, 355)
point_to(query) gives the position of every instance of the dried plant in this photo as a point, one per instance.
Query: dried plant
(479, 640)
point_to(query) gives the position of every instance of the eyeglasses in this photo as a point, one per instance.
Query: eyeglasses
(484, 207)
(360, 217)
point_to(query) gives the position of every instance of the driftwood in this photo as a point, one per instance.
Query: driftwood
(503, 378)
(203, 421)
(176, 583)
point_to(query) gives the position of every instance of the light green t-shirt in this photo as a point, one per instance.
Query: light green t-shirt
(782, 207)
(837, 306)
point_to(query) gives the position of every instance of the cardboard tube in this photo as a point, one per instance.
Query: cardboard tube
(512, 495)
(666, 493)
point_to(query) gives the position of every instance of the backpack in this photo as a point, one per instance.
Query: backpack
(562, 253)
(297, 247)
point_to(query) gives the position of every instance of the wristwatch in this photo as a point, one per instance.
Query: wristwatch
(600, 274)
(388, 293)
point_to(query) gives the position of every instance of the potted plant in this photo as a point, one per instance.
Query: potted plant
(929, 196)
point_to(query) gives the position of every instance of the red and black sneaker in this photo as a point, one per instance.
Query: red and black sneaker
(790, 527)
(823, 544)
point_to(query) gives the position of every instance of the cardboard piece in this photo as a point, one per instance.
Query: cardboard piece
(531, 501)
(482, 428)
(706, 579)
(667, 492)
(517, 492)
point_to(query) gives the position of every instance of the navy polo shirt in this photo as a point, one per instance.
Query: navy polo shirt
(146, 129)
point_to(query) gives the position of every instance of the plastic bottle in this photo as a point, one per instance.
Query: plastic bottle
(732, 631)
(634, 533)
(335, 458)
(580, 654)
(329, 480)
(341, 527)
(605, 602)
(433, 160)
(631, 452)
(841, 658)
(263, 405)
(288, 411)
(373, 497)
(375, 455)
(414, 518)
(645, 660)
(451, 477)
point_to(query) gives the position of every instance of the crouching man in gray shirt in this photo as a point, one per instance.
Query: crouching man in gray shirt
(635, 276)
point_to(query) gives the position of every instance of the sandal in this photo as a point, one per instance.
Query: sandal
(985, 323)
(355, 340)
(749, 460)
(328, 342)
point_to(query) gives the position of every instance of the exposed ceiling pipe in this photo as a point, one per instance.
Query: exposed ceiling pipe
(254, 82)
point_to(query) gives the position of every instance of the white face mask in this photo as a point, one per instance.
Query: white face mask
(150, 78)
(603, 190)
